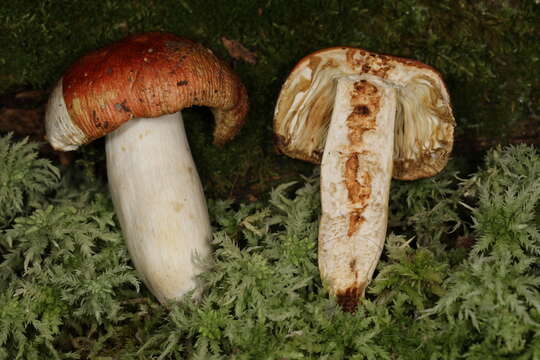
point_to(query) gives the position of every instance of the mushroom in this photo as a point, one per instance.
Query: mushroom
(133, 90)
(366, 118)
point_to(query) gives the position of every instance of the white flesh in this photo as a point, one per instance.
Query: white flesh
(348, 253)
(160, 203)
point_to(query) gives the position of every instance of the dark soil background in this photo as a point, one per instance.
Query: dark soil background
(487, 51)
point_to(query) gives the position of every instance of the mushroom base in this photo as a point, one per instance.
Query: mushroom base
(159, 201)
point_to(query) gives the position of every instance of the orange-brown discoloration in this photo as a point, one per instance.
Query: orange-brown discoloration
(150, 75)
(358, 187)
(314, 62)
(370, 63)
(365, 100)
(356, 219)
(348, 298)
(358, 191)
(359, 124)
(365, 88)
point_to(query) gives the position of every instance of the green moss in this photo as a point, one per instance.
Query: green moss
(68, 291)
(487, 52)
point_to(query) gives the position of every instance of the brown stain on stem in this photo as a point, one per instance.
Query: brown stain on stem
(365, 102)
(348, 299)
(365, 99)
(352, 265)
(358, 190)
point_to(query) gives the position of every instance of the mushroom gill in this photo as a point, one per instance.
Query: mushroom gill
(423, 130)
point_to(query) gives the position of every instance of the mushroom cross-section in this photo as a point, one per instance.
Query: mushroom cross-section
(366, 118)
(133, 90)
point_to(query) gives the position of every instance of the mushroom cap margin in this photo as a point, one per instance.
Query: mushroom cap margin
(147, 75)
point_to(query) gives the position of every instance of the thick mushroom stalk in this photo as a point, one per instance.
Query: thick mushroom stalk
(134, 90)
(369, 118)
(159, 201)
(356, 171)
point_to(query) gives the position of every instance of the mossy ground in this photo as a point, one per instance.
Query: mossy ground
(486, 50)
(459, 278)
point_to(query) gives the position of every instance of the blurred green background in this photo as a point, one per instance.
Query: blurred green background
(487, 51)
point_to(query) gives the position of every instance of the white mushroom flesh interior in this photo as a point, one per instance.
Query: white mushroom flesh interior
(356, 172)
(159, 200)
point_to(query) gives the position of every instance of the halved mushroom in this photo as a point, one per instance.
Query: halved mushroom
(133, 90)
(367, 118)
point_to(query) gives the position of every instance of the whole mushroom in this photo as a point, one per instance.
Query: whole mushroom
(133, 90)
(366, 118)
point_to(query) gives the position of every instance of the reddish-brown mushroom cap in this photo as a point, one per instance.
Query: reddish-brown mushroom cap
(424, 119)
(149, 75)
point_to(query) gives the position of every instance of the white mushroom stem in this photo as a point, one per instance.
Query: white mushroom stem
(159, 200)
(356, 171)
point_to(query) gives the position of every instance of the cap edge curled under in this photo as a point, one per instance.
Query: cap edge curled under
(60, 130)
